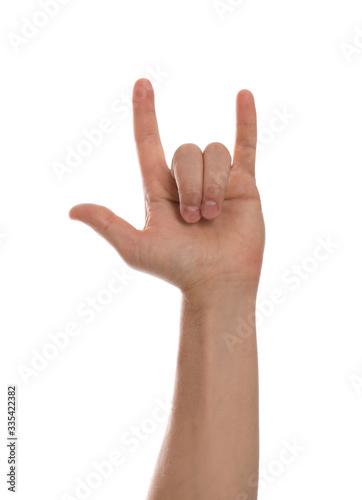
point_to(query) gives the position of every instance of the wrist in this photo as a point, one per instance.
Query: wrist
(222, 316)
(216, 292)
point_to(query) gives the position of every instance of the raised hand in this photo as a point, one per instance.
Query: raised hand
(204, 223)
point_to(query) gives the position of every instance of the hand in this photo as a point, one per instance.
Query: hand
(220, 239)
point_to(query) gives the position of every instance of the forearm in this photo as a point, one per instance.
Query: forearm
(211, 447)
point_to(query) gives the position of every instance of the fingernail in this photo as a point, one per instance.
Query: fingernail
(210, 209)
(191, 213)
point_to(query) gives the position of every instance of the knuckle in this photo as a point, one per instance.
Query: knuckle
(150, 139)
(188, 150)
(217, 148)
(109, 222)
(246, 145)
(191, 196)
(222, 178)
(213, 190)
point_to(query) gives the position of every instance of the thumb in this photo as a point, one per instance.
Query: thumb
(121, 235)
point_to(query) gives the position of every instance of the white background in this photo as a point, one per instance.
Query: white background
(301, 59)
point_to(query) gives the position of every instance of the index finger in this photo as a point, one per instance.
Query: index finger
(149, 148)
(246, 132)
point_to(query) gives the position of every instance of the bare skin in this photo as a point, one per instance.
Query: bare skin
(213, 253)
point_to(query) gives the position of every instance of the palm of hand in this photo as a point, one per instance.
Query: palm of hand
(188, 254)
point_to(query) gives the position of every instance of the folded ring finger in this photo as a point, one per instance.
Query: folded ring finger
(217, 166)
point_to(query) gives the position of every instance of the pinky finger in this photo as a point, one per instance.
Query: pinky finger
(246, 132)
